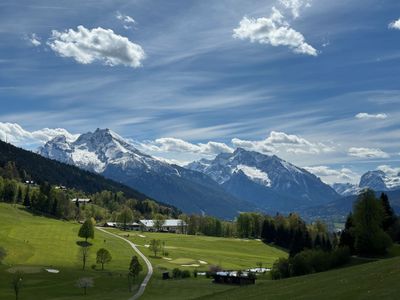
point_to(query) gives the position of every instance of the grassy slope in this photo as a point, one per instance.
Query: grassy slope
(38, 241)
(376, 280)
(186, 249)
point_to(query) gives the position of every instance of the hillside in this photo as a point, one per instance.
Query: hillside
(376, 280)
(34, 243)
(43, 169)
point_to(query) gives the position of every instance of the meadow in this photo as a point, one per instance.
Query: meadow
(198, 253)
(34, 243)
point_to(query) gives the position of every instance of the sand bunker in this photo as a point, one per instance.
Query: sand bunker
(54, 271)
(192, 265)
(202, 262)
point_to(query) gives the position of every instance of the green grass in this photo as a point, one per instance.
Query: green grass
(229, 253)
(374, 280)
(34, 243)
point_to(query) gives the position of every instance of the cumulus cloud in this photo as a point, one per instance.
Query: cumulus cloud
(15, 134)
(283, 142)
(367, 152)
(329, 175)
(34, 40)
(127, 20)
(389, 170)
(295, 6)
(177, 145)
(274, 31)
(366, 116)
(395, 24)
(98, 44)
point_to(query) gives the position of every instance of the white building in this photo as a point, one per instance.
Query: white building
(170, 225)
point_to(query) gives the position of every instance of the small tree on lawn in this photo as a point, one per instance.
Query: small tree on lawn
(134, 269)
(85, 283)
(159, 221)
(87, 230)
(17, 283)
(3, 254)
(84, 255)
(103, 257)
(155, 246)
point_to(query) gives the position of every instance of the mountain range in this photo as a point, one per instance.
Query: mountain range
(105, 152)
(378, 180)
(230, 183)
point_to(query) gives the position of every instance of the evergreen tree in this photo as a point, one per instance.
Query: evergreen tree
(27, 198)
(19, 195)
(389, 217)
(370, 239)
(134, 269)
(347, 235)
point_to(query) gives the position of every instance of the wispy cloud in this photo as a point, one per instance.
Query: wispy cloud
(295, 5)
(367, 116)
(367, 152)
(34, 40)
(89, 45)
(128, 21)
(330, 175)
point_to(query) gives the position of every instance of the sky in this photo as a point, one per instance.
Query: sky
(313, 81)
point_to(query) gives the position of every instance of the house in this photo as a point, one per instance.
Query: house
(169, 225)
(129, 226)
(81, 201)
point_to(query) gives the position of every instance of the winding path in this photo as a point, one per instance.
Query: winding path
(149, 266)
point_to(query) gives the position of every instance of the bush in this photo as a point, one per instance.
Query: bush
(340, 256)
(176, 273)
(185, 274)
(281, 269)
(195, 273)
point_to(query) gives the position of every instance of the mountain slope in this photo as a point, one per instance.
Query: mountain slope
(267, 181)
(106, 153)
(378, 180)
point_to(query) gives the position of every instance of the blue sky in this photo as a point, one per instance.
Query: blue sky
(266, 75)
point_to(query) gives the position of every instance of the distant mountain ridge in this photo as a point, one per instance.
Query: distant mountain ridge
(267, 181)
(107, 153)
(377, 180)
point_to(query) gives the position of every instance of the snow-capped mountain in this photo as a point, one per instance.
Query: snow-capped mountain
(267, 181)
(346, 189)
(379, 180)
(107, 153)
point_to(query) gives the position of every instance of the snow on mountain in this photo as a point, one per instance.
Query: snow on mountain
(107, 153)
(265, 180)
(384, 179)
(346, 189)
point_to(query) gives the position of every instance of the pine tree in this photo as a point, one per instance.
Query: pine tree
(389, 217)
(27, 198)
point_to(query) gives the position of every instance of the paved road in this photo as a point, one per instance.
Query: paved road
(149, 266)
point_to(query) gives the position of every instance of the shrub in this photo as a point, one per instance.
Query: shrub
(176, 273)
(185, 274)
(340, 256)
(280, 269)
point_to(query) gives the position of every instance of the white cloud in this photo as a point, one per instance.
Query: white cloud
(281, 142)
(34, 39)
(295, 5)
(395, 25)
(329, 175)
(380, 116)
(127, 20)
(273, 31)
(389, 170)
(367, 152)
(89, 45)
(178, 145)
(15, 134)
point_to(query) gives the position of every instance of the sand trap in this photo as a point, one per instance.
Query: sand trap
(167, 258)
(54, 271)
(202, 262)
(147, 246)
(141, 235)
(258, 240)
(192, 265)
